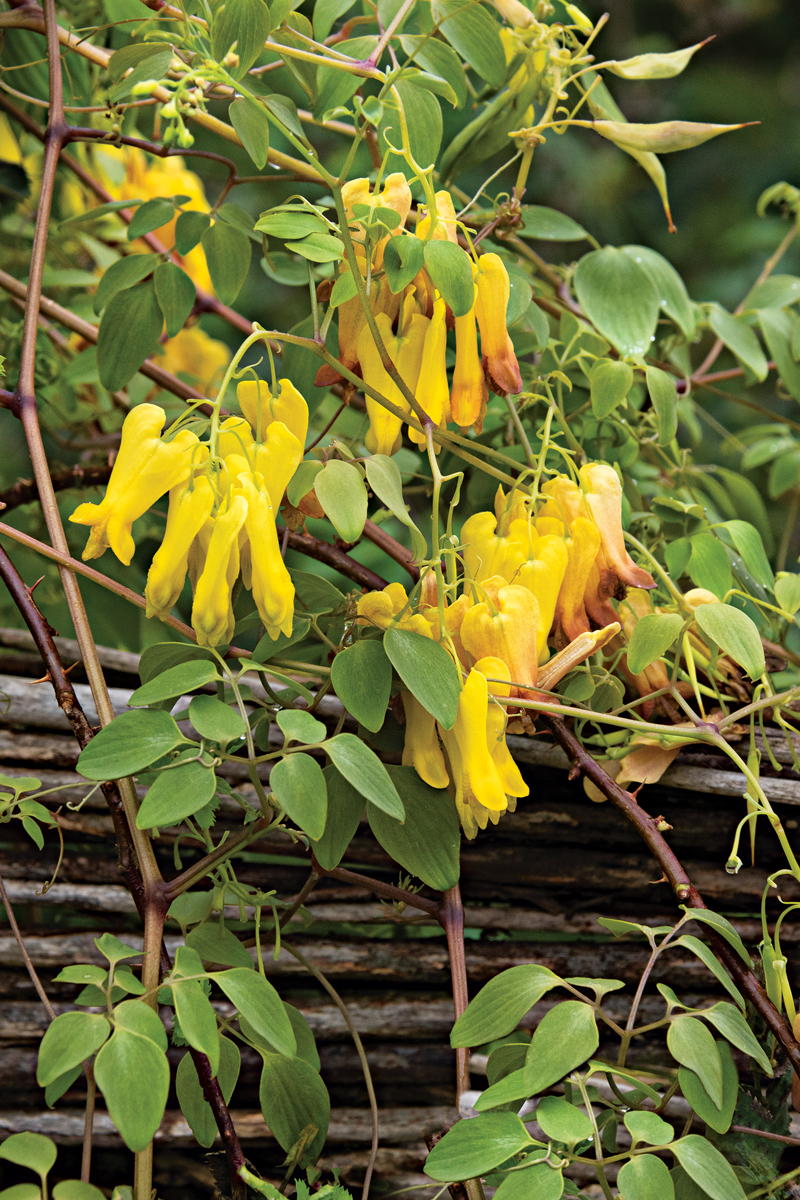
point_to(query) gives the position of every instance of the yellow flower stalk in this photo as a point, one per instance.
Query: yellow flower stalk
(261, 408)
(212, 612)
(508, 633)
(190, 505)
(469, 394)
(498, 359)
(145, 468)
(603, 492)
(270, 582)
(434, 392)
(421, 749)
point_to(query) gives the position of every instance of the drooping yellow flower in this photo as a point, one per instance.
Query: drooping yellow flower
(421, 749)
(603, 492)
(192, 352)
(262, 408)
(145, 468)
(483, 549)
(499, 361)
(190, 505)
(498, 680)
(445, 230)
(270, 582)
(478, 787)
(390, 608)
(507, 630)
(469, 395)
(434, 390)
(582, 543)
(538, 564)
(212, 612)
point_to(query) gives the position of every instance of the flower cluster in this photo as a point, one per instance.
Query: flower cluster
(224, 495)
(533, 572)
(413, 322)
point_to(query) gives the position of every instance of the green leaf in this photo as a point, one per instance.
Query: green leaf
(776, 326)
(709, 566)
(318, 247)
(189, 228)
(719, 923)
(538, 1182)
(383, 476)
(94, 214)
(735, 634)
(645, 1177)
(403, 257)
(128, 744)
(549, 225)
(313, 594)
(216, 944)
(82, 974)
(693, 1046)
(475, 36)
(22, 1191)
(451, 271)
(68, 1040)
(153, 67)
(299, 786)
(428, 844)
(306, 1046)
(739, 338)
(31, 1150)
(434, 56)
(252, 125)
(76, 1189)
(193, 1103)
(176, 294)
(473, 1147)
(664, 398)
(292, 1098)
(302, 481)
(424, 119)
(787, 592)
(718, 1118)
(197, 1019)
(191, 907)
(178, 792)
(777, 291)
(427, 670)
(345, 810)
(747, 541)
(362, 679)
(267, 648)
(292, 224)
(284, 109)
(129, 332)
(673, 297)
(335, 88)
(138, 1018)
(326, 14)
(628, 1076)
(784, 473)
(136, 1111)
(175, 681)
(712, 962)
(610, 380)
(130, 56)
(163, 655)
(115, 950)
(343, 494)
(649, 1128)
(149, 216)
(227, 253)
(652, 636)
(501, 1004)
(620, 299)
(344, 289)
(562, 1121)
(122, 274)
(564, 1038)
(366, 772)
(215, 720)
(300, 726)
(729, 1021)
(703, 1163)
(246, 22)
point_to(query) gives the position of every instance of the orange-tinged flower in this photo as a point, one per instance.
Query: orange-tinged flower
(509, 633)
(583, 543)
(564, 502)
(498, 358)
(445, 230)
(603, 492)
(469, 394)
(212, 613)
(421, 749)
(145, 468)
(190, 505)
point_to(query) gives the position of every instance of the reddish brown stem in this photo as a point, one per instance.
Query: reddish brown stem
(647, 827)
(451, 915)
(337, 558)
(389, 545)
(386, 890)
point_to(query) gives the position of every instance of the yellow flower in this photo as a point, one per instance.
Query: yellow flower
(445, 230)
(235, 437)
(190, 505)
(262, 408)
(192, 352)
(145, 468)
(538, 564)
(483, 548)
(421, 749)
(507, 631)
(478, 787)
(469, 394)
(390, 608)
(270, 582)
(435, 390)
(603, 493)
(498, 358)
(582, 543)
(212, 612)
(499, 684)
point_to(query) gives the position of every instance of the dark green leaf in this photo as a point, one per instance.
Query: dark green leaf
(149, 216)
(620, 298)
(189, 228)
(318, 247)
(672, 294)
(176, 294)
(427, 845)
(475, 35)
(136, 1111)
(473, 1147)
(562, 1121)
(216, 944)
(693, 1046)
(246, 22)
(703, 1163)
(362, 679)
(334, 87)
(501, 1004)
(730, 1022)
(747, 541)
(130, 56)
(122, 274)
(717, 1117)
(362, 767)
(709, 565)
(537, 1182)
(722, 926)
(292, 1098)
(163, 655)
(648, 1127)
(227, 254)
(94, 214)
(155, 66)
(197, 1019)
(300, 726)
(129, 332)
(564, 1038)
(326, 13)
(645, 1178)
(611, 380)
(775, 292)
(383, 476)
(739, 338)
(345, 810)
(306, 1046)
(315, 595)
(402, 259)
(299, 787)
(284, 110)
(424, 118)
(261, 1006)
(175, 681)
(252, 125)
(130, 743)
(451, 271)
(294, 224)
(428, 672)
(549, 225)
(776, 325)
(177, 793)
(434, 56)
(652, 636)
(706, 956)
(664, 398)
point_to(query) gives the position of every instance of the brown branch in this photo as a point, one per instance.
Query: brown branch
(763, 1133)
(25, 491)
(336, 557)
(389, 545)
(386, 890)
(647, 827)
(451, 915)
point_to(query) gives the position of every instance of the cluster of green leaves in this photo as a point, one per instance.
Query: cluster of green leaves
(497, 1145)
